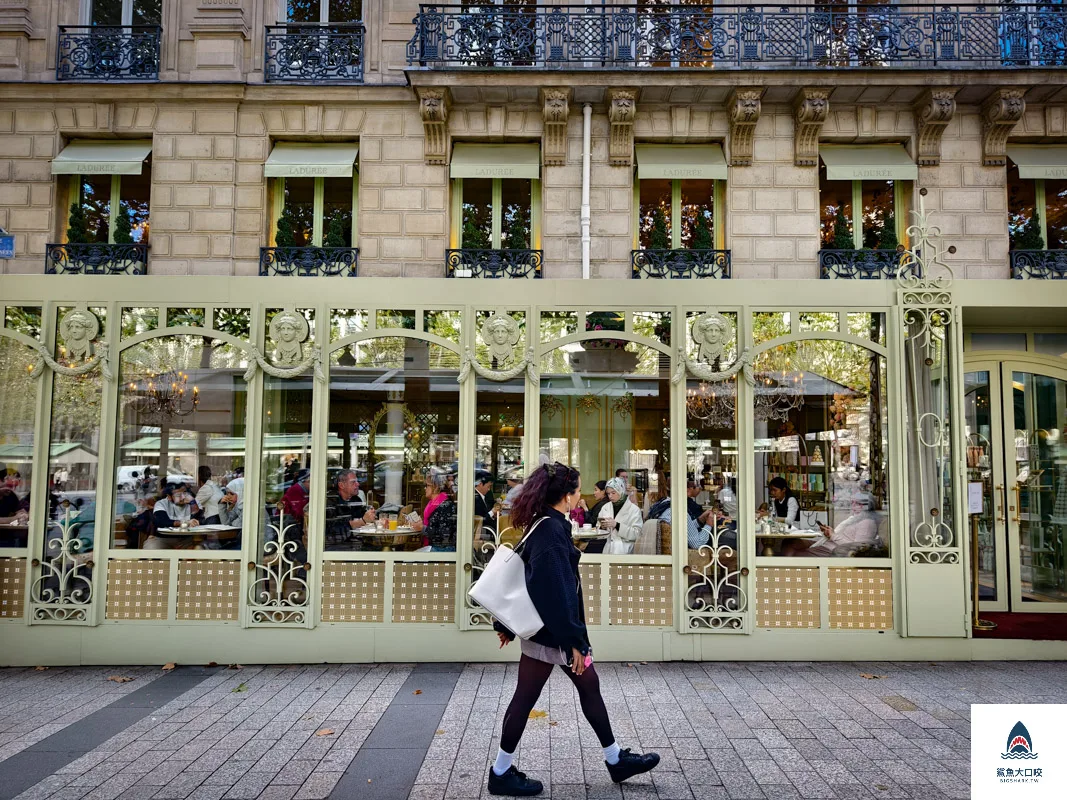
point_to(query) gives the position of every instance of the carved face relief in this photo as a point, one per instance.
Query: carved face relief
(712, 332)
(288, 330)
(749, 108)
(500, 334)
(78, 329)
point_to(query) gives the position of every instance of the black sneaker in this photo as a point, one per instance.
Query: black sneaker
(631, 764)
(515, 784)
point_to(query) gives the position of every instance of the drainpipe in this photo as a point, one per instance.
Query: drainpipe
(587, 121)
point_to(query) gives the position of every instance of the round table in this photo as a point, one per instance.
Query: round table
(389, 540)
(769, 538)
(584, 536)
(200, 532)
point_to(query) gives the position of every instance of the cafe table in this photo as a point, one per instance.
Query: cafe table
(200, 532)
(768, 539)
(386, 540)
(586, 534)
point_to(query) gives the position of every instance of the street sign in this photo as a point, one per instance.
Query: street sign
(7, 246)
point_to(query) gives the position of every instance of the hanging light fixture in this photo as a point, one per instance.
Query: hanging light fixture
(165, 395)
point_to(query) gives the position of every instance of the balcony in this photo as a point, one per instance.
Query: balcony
(859, 264)
(309, 262)
(493, 263)
(1049, 264)
(740, 37)
(96, 259)
(307, 53)
(680, 263)
(108, 53)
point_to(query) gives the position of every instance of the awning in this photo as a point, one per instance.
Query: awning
(293, 160)
(681, 161)
(1039, 161)
(96, 157)
(887, 162)
(496, 161)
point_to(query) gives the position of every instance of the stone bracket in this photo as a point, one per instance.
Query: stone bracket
(219, 17)
(556, 111)
(744, 108)
(1000, 112)
(622, 108)
(933, 112)
(433, 108)
(16, 18)
(810, 112)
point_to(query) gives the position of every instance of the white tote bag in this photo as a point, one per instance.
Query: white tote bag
(502, 591)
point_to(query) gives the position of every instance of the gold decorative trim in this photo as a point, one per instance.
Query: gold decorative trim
(861, 599)
(353, 591)
(787, 598)
(138, 590)
(208, 590)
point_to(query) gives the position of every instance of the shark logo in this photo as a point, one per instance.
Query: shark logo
(1020, 745)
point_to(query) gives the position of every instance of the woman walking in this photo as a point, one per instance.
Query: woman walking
(551, 564)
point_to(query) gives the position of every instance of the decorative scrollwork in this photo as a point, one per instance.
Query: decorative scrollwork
(63, 590)
(715, 598)
(1049, 264)
(331, 52)
(279, 592)
(108, 52)
(551, 405)
(470, 362)
(485, 545)
(96, 259)
(467, 263)
(309, 261)
(680, 263)
(706, 372)
(859, 264)
(623, 405)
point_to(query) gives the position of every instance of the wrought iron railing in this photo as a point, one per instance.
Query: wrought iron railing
(467, 263)
(309, 261)
(96, 259)
(859, 263)
(331, 52)
(108, 52)
(1039, 264)
(680, 263)
(741, 36)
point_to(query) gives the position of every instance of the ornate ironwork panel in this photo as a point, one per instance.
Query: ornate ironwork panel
(278, 590)
(62, 587)
(680, 263)
(309, 261)
(96, 259)
(493, 263)
(330, 52)
(742, 36)
(108, 53)
(715, 598)
(859, 263)
(1039, 264)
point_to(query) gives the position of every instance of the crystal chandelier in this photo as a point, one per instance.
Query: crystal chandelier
(166, 395)
(776, 395)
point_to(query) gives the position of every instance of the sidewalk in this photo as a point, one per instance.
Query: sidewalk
(370, 732)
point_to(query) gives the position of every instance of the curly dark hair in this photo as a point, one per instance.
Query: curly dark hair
(543, 489)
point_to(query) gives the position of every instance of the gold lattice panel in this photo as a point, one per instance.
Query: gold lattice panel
(208, 589)
(641, 595)
(861, 598)
(787, 598)
(12, 586)
(353, 591)
(590, 574)
(137, 589)
(424, 592)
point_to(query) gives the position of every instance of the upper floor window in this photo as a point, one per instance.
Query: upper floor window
(316, 194)
(1037, 197)
(125, 12)
(680, 194)
(323, 11)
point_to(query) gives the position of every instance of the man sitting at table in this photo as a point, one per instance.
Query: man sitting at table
(170, 511)
(485, 505)
(346, 509)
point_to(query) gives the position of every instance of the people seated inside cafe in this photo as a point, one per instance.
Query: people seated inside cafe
(346, 510)
(621, 517)
(440, 527)
(857, 535)
(232, 504)
(172, 509)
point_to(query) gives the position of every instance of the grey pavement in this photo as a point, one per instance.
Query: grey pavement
(429, 731)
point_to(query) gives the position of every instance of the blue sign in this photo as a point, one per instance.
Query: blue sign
(7, 246)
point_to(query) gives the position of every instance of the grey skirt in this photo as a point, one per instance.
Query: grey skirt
(538, 652)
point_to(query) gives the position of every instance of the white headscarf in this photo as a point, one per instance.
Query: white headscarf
(237, 486)
(618, 484)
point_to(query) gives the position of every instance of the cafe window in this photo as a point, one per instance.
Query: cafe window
(496, 197)
(1037, 197)
(679, 197)
(18, 403)
(125, 12)
(863, 196)
(315, 195)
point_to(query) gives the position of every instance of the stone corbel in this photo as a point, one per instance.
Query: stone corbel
(999, 114)
(16, 30)
(219, 30)
(554, 140)
(744, 109)
(622, 108)
(433, 108)
(810, 112)
(933, 112)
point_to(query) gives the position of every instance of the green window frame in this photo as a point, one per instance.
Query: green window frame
(456, 234)
(901, 190)
(319, 205)
(718, 229)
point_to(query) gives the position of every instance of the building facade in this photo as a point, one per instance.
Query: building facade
(309, 259)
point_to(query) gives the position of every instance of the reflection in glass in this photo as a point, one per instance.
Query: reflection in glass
(515, 211)
(698, 209)
(500, 429)
(1056, 214)
(654, 219)
(1022, 202)
(477, 232)
(879, 222)
(95, 198)
(134, 194)
(835, 211)
(980, 455)
(18, 402)
(337, 212)
(299, 206)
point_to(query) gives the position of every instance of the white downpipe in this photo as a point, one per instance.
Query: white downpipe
(587, 124)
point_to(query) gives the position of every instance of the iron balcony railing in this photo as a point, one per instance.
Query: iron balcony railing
(859, 263)
(309, 262)
(680, 263)
(108, 52)
(838, 35)
(466, 263)
(1039, 264)
(309, 53)
(96, 259)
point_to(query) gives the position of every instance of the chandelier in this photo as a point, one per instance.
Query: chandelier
(777, 394)
(166, 395)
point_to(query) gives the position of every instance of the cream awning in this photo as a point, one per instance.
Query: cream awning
(680, 161)
(471, 160)
(1039, 161)
(97, 157)
(887, 162)
(310, 160)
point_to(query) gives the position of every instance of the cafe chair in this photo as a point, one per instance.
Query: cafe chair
(648, 542)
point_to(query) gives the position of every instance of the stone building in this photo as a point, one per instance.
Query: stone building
(300, 244)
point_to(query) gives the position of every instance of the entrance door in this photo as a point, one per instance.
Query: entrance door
(1016, 415)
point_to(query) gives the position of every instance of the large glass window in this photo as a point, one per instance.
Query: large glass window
(324, 10)
(18, 408)
(861, 214)
(674, 214)
(319, 212)
(110, 209)
(125, 12)
(496, 213)
(1037, 212)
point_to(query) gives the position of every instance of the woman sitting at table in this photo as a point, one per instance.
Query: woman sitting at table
(440, 530)
(784, 504)
(620, 516)
(856, 533)
(436, 495)
(208, 495)
(232, 505)
(170, 511)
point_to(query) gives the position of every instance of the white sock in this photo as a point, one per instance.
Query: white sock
(503, 761)
(611, 753)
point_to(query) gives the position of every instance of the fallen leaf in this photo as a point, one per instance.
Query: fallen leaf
(553, 723)
(537, 714)
(212, 664)
(644, 663)
(324, 732)
(39, 669)
(417, 691)
(235, 666)
(438, 732)
(120, 679)
(881, 788)
(242, 688)
(871, 677)
(169, 666)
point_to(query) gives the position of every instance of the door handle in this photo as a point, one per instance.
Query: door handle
(997, 495)
(1018, 504)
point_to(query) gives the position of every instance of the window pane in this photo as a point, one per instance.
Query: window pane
(879, 221)
(655, 215)
(303, 10)
(147, 12)
(96, 205)
(134, 193)
(835, 212)
(1022, 197)
(106, 12)
(346, 10)
(477, 233)
(18, 402)
(337, 212)
(698, 204)
(515, 214)
(1056, 214)
(500, 428)
(300, 208)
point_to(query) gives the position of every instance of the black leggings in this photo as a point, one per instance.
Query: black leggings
(533, 675)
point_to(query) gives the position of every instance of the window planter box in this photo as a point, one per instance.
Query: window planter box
(1049, 264)
(309, 261)
(96, 259)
